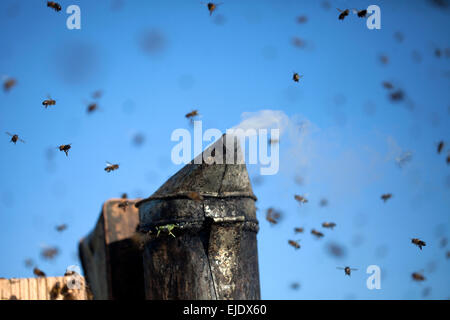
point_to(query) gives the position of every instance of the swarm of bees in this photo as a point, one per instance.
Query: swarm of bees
(386, 196)
(195, 196)
(14, 138)
(54, 5)
(39, 273)
(111, 167)
(329, 225)
(300, 199)
(273, 216)
(417, 276)
(295, 244)
(316, 233)
(65, 148)
(347, 270)
(48, 102)
(418, 243)
(296, 77)
(9, 83)
(61, 227)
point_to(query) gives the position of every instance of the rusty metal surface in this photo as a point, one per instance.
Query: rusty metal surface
(213, 252)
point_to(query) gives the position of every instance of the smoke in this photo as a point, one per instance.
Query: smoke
(264, 119)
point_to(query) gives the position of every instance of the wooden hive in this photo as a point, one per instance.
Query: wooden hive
(111, 258)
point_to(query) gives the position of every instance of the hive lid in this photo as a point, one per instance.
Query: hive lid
(210, 180)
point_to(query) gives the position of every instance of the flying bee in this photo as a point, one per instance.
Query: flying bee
(300, 199)
(272, 216)
(388, 85)
(9, 83)
(49, 253)
(65, 148)
(191, 115)
(61, 227)
(295, 244)
(330, 225)
(296, 77)
(124, 196)
(195, 196)
(14, 138)
(417, 276)
(360, 13)
(343, 13)
(316, 233)
(38, 272)
(418, 243)
(448, 158)
(48, 102)
(298, 230)
(97, 94)
(302, 19)
(92, 107)
(212, 6)
(323, 202)
(440, 146)
(403, 158)
(347, 270)
(123, 205)
(385, 197)
(111, 167)
(384, 59)
(54, 5)
(397, 95)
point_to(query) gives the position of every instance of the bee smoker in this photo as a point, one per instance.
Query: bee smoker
(210, 251)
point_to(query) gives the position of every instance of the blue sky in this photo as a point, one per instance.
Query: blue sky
(238, 60)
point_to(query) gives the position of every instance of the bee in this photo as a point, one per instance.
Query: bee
(330, 225)
(272, 216)
(347, 270)
(14, 138)
(29, 263)
(66, 294)
(295, 285)
(296, 77)
(387, 85)
(316, 233)
(295, 244)
(49, 253)
(447, 255)
(384, 59)
(111, 167)
(124, 196)
(385, 197)
(360, 13)
(48, 102)
(298, 230)
(302, 19)
(397, 95)
(65, 148)
(123, 205)
(418, 243)
(38, 272)
(61, 227)
(54, 5)
(92, 107)
(273, 141)
(323, 202)
(417, 276)
(297, 42)
(343, 13)
(192, 114)
(195, 196)
(212, 6)
(54, 292)
(9, 83)
(440, 146)
(403, 158)
(448, 158)
(300, 199)
(97, 94)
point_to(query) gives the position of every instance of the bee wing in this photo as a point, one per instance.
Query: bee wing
(21, 140)
(340, 268)
(9, 134)
(354, 269)
(108, 163)
(339, 10)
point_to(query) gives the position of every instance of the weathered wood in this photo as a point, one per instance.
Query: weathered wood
(40, 288)
(213, 253)
(111, 258)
